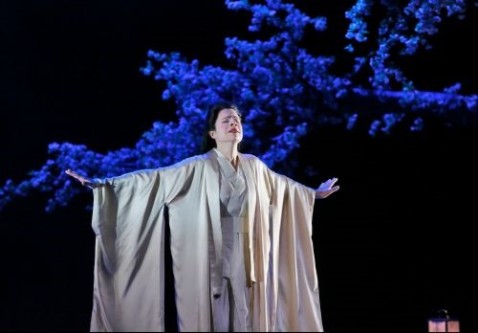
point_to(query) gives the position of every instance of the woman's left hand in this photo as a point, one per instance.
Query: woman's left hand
(326, 188)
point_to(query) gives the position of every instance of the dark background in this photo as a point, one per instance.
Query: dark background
(393, 246)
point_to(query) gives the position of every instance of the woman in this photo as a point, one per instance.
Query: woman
(243, 258)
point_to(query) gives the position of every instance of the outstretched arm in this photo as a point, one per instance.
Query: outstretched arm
(83, 180)
(326, 188)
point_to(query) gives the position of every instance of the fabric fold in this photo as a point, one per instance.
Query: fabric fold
(129, 222)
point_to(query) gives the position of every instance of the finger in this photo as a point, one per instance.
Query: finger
(331, 191)
(76, 176)
(333, 181)
(71, 173)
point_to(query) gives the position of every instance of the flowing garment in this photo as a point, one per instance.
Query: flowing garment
(241, 244)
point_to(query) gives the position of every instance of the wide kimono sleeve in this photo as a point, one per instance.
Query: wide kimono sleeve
(298, 306)
(129, 223)
(286, 251)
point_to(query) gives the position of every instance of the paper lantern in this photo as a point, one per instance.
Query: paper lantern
(443, 323)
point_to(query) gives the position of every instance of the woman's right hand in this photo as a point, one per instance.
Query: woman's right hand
(83, 180)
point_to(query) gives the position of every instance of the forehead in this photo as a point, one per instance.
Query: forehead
(228, 113)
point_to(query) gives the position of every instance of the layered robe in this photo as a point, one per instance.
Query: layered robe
(129, 217)
(231, 309)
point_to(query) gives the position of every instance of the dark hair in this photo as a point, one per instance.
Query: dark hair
(207, 142)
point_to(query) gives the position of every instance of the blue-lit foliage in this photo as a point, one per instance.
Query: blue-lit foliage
(283, 89)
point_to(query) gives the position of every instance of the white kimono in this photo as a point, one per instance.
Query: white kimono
(232, 308)
(129, 222)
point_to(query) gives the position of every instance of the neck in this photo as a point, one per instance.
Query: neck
(229, 151)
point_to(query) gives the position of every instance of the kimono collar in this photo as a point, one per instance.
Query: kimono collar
(222, 156)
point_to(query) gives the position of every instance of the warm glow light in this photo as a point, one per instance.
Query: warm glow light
(443, 325)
